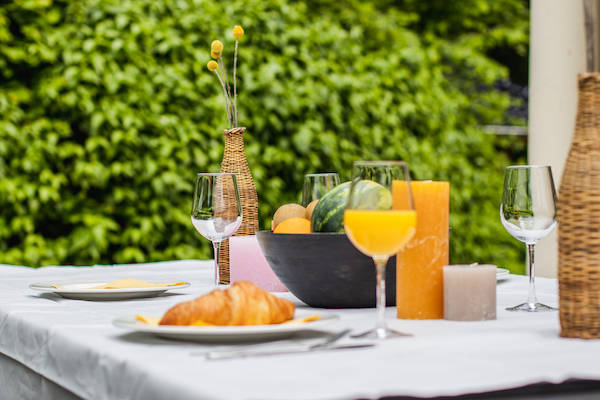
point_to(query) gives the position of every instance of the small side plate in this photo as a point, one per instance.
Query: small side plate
(502, 274)
(80, 290)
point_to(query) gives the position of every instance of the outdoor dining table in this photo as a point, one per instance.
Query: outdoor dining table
(55, 348)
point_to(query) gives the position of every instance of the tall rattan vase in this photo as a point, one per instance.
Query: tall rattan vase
(579, 220)
(234, 160)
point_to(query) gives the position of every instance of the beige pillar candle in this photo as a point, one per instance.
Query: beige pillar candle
(469, 292)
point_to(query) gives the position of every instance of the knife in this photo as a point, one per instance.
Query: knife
(227, 355)
(324, 345)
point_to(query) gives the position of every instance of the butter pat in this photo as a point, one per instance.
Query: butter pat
(133, 284)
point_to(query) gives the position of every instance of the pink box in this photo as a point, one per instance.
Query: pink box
(247, 263)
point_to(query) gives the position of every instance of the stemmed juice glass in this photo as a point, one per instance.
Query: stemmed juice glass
(528, 213)
(379, 224)
(216, 210)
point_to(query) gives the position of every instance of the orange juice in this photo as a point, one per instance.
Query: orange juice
(380, 232)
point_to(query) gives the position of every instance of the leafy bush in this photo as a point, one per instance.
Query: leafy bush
(107, 112)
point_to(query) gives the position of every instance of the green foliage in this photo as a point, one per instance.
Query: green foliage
(107, 111)
(485, 24)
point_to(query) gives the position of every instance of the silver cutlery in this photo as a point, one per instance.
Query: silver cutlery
(327, 344)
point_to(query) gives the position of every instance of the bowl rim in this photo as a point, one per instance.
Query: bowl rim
(268, 231)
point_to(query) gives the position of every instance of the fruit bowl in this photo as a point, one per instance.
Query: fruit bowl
(325, 270)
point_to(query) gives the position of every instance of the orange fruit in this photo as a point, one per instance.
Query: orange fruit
(288, 211)
(293, 225)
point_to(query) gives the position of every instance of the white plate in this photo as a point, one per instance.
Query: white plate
(80, 290)
(226, 333)
(502, 274)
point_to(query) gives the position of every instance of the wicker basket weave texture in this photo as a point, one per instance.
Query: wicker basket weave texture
(579, 220)
(234, 160)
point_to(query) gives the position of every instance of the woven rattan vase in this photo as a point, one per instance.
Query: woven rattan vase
(579, 220)
(234, 160)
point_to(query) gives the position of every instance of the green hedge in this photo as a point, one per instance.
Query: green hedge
(107, 112)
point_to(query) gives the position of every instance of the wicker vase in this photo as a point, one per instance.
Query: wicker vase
(234, 160)
(579, 220)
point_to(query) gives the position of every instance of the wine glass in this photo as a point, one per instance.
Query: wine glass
(316, 185)
(216, 209)
(528, 213)
(379, 224)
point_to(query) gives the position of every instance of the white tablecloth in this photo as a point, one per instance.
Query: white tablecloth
(74, 344)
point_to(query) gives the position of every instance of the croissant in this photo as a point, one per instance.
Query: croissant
(243, 303)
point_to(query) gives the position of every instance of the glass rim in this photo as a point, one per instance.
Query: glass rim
(380, 162)
(527, 166)
(215, 173)
(322, 174)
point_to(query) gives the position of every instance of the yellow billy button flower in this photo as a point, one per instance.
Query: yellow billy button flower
(215, 54)
(216, 46)
(212, 65)
(238, 31)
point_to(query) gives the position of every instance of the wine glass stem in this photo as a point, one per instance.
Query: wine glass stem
(380, 264)
(216, 247)
(531, 298)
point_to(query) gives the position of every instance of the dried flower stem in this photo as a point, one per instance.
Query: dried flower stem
(218, 66)
(226, 79)
(235, 119)
(227, 106)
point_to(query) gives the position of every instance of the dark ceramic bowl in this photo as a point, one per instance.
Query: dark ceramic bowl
(325, 269)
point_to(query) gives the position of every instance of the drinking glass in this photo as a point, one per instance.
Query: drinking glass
(216, 210)
(316, 185)
(379, 224)
(528, 213)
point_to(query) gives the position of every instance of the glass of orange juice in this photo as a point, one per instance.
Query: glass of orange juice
(375, 228)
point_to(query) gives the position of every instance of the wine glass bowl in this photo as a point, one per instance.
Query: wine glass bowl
(528, 213)
(380, 224)
(527, 229)
(216, 210)
(316, 185)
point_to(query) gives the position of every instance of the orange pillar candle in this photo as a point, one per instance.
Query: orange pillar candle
(419, 274)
